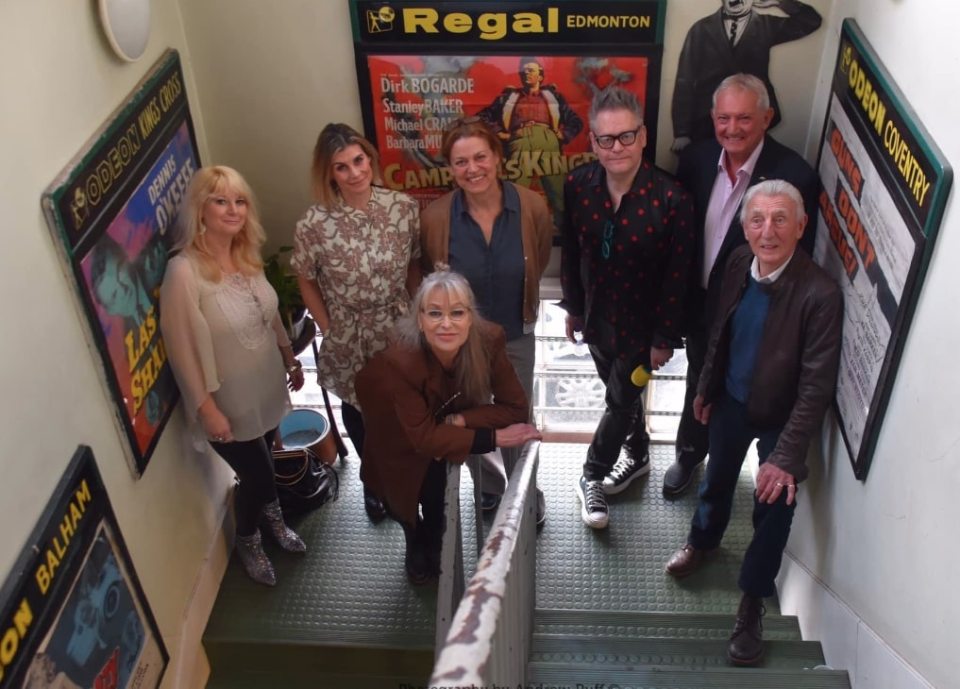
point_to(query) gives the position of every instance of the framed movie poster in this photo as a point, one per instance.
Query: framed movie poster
(74, 613)
(528, 69)
(885, 184)
(111, 211)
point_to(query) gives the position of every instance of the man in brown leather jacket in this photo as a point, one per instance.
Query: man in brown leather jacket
(769, 373)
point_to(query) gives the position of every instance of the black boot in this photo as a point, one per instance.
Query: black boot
(415, 560)
(374, 506)
(746, 642)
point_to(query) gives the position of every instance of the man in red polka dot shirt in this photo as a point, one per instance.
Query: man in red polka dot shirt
(627, 249)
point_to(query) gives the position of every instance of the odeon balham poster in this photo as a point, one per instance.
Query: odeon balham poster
(73, 612)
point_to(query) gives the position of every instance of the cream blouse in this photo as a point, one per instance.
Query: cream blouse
(223, 339)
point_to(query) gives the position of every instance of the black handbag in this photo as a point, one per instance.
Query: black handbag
(303, 481)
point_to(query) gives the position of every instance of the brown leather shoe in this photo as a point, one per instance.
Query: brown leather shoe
(746, 642)
(685, 561)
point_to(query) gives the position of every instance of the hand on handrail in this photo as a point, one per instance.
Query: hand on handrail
(516, 435)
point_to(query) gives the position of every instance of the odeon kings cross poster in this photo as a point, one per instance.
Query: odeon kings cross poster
(111, 213)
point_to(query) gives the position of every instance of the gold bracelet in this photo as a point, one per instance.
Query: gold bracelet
(294, 367)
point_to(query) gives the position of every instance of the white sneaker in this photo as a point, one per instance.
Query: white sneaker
(593, 503)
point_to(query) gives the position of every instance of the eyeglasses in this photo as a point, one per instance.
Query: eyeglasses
(607, 245)
(625, 138)
(436, 316)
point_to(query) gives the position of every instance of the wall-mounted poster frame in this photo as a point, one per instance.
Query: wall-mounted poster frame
(885, 185)
(73, 611)
(423, 65)
(110, 212)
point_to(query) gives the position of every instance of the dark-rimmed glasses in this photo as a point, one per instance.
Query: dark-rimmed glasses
(625, 138)
(607, 245)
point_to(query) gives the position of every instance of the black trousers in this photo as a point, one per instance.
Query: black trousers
(252, 461)
(427, 532)
(622, 423)
(353, 420)
(693, 437)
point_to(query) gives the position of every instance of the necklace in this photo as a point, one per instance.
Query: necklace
(243, 307)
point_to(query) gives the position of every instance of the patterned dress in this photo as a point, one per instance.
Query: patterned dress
(360, 259)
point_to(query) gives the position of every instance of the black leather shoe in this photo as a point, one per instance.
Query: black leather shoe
(677, 479)
(746, 642)
(489, 501)
(374, 507)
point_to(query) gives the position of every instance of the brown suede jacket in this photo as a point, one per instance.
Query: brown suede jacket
(796, 367)
(401, 391)
(536, 226)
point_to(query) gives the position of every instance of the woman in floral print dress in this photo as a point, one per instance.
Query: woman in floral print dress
(356, 254)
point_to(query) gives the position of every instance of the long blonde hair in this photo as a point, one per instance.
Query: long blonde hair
(472, 363)
(245, 248)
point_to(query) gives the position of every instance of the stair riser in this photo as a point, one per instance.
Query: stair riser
(628, 655)
(312, 660)
(672, 678)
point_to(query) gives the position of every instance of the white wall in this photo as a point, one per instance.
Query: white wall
(885, 549)
(270, 76)
(59, 82)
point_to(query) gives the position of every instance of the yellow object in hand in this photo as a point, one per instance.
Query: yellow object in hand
(640, 376)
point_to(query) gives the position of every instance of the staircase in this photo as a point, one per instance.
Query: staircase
(607, 615)
(657, 651)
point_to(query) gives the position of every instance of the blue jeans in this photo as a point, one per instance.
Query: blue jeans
(730, 438)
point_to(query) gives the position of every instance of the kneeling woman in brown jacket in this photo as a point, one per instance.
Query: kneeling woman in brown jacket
(444, 391)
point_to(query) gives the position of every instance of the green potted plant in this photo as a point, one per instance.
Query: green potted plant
(292, 310)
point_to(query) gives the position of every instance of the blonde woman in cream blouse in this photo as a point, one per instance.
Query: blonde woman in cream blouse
(229, 351)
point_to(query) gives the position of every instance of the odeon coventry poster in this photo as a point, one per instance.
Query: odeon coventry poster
(885, 184)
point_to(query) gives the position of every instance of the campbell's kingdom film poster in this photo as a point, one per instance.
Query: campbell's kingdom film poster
(73, 611)
(111, 212)
(422, 66)
(418, 97)
(885, 184)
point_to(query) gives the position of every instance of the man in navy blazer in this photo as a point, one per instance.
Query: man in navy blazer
(717, 172)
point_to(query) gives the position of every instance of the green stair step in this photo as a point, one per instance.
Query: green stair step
(561, 674)
(628, 654)
(279, 680)
(620, 624)
(312, 661)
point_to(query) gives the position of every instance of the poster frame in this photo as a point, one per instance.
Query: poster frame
(923, 220)
(471, 45)
(51, 569)
(81, 205)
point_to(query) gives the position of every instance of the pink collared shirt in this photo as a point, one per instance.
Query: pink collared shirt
(724, 203)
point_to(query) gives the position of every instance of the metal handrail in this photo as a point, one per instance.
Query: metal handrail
(488, 641)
